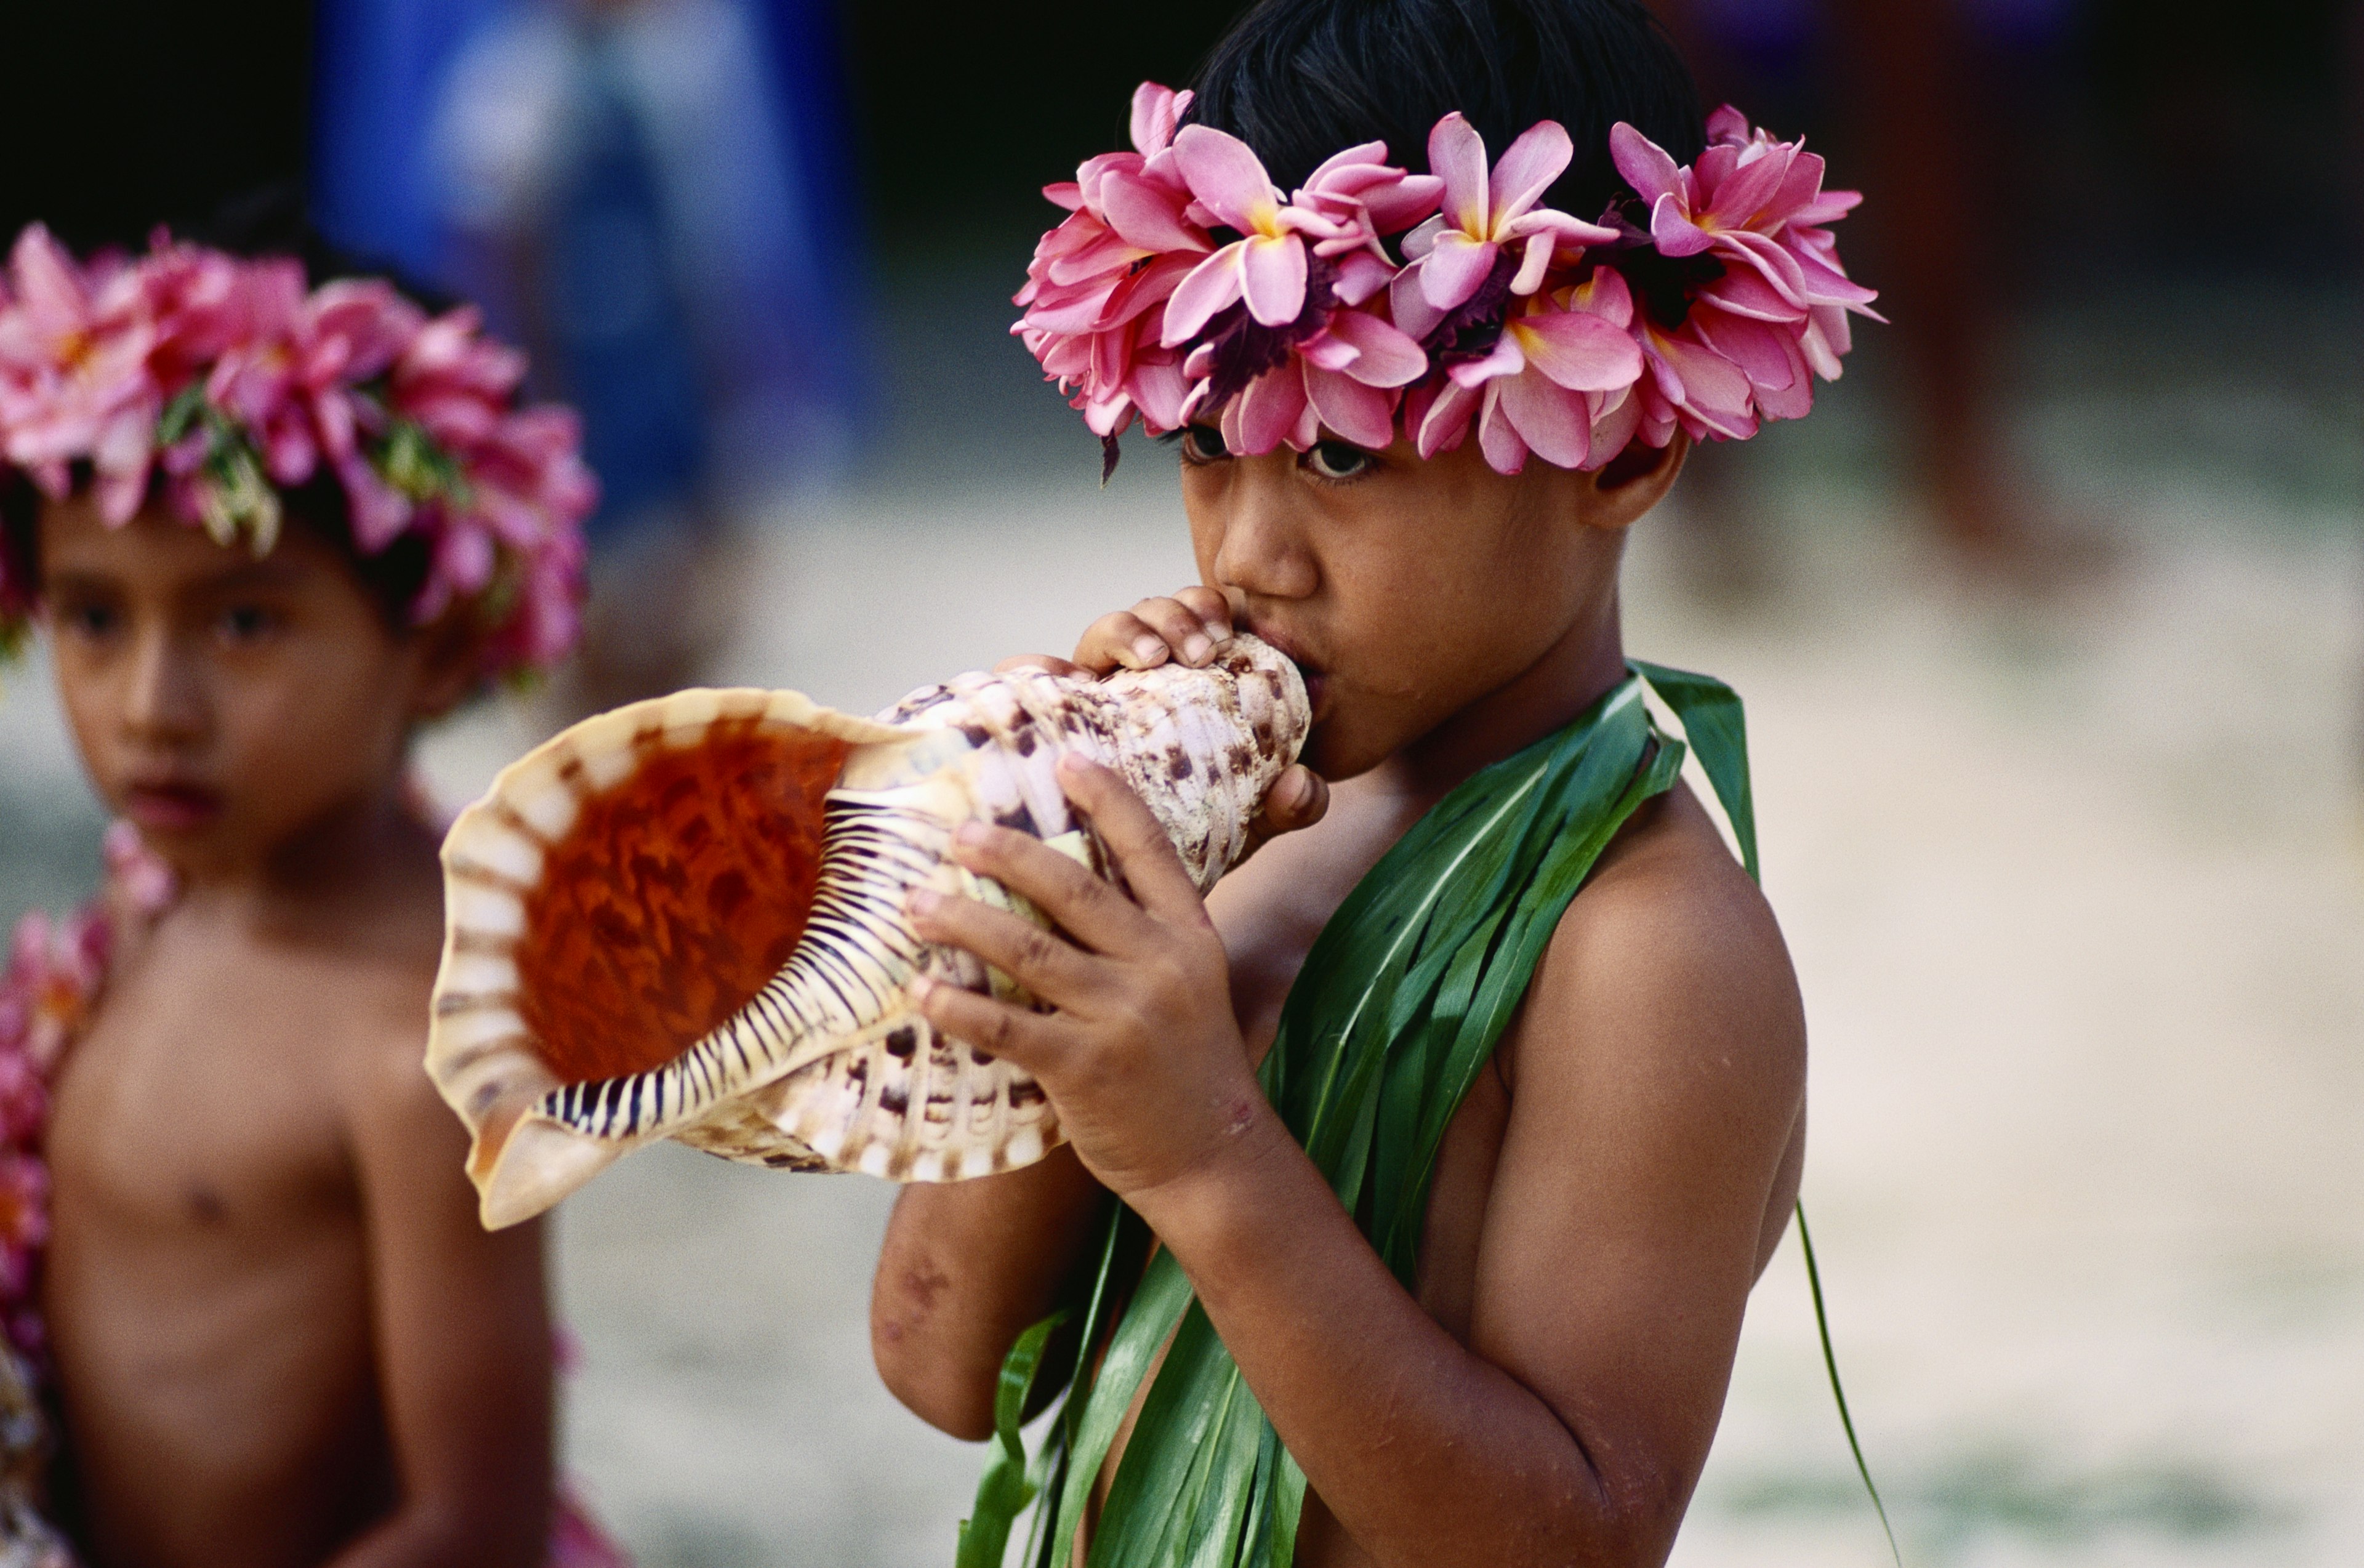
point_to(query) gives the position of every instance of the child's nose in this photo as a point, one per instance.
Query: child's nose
(163, 700)
(1263, 551)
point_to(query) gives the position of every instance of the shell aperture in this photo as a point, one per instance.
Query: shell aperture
(685, 918)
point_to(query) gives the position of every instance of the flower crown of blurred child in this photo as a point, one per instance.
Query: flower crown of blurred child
(1185, 285)
(222, 381)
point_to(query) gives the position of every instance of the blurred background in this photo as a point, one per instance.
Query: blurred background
(2051, 625)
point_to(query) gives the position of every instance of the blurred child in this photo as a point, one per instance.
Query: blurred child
(272, 529)
(1458, 1276)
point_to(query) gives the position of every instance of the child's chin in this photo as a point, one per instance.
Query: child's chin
(1339, 750)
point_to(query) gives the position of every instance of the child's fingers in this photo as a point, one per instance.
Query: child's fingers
(1020, 949)
(1212, 609)
(1181, 627)
(1096, 915)
(1120, 641)
(1143, 854)
(1049, 663)
(1297, 799)
(1031, 1040)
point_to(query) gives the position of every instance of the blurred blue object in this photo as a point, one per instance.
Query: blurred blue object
(653, 193)
(1778, 26)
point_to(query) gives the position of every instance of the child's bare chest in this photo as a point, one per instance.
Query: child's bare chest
(1271, 912)
(200, 1102)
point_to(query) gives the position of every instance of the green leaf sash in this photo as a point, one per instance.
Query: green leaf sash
(1400, 1001)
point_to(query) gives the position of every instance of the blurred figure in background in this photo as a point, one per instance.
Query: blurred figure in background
(1925, 93)
(653, 193)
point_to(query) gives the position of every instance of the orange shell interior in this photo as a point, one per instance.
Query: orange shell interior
(675, 895)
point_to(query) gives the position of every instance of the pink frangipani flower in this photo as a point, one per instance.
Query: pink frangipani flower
(1348, 376)
(1267, 266)
(1545, 382)
(1184, 285)
(1487, 215)
(74, 378)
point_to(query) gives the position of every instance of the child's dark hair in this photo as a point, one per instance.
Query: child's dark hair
(1301, 80)
(268, 222)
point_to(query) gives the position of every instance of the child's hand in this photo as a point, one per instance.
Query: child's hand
(1188, 627)
(1144, 1059)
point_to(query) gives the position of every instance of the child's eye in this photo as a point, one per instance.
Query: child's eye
(1203, 443)
(1337, 460)
(247, 623)
(89, 619)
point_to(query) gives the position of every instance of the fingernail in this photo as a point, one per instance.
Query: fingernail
(924, 901)
(1149, 650)
(972, 834)
(1196, 647)
(1074, 763)
(919, 987)
(1221, 630)
(1295, 790)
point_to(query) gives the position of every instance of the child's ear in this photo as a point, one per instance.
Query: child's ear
(447, 650)
(1634, 481)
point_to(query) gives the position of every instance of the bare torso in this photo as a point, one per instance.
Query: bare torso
(209, 1289)
(1269, 912)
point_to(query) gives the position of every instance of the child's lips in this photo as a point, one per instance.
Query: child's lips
(171, 807)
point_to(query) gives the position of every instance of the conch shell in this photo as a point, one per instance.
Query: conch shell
(685, 918)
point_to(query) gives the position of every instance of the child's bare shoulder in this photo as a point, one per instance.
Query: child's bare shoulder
(1670, 959)
(382, 978)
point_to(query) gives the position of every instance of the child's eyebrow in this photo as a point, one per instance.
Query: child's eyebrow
(71, 582)
(272, 571)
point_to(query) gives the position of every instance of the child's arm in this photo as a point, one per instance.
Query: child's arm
(462, 1336)
(964, 1270)
(968, 1267)
(1659, 1079)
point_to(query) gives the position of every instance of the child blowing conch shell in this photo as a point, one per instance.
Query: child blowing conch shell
(687, 918)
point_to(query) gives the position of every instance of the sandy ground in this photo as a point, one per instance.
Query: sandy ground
(2075, 882)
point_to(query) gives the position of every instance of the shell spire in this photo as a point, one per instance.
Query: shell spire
(685, 918)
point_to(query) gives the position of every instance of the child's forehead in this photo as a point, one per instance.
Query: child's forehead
(154, 548)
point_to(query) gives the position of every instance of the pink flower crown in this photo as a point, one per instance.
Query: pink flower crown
(227, 382)
(1185, 285)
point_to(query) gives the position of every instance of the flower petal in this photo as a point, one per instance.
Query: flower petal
(1650, 169)
(1147, 217)
(1387, 356)
(1409, 304)
(1578, 350)
(1555, 423)
(1605, 295)
(1455, 270)
(1328, 350)
(1614, 429)
(1396, 206)
(1226, 177)
(1504, 359)
(1532, 267)
(1505, 453)
(1212, 285)
(1445, 423)
(1272, 278)
(1362, 414)
(1369, 156)
(1269, 411)
(1360, 275)
(1727, 125)
(1526, 170)
(1456, 154)
(1155, 111)
(1673, 232)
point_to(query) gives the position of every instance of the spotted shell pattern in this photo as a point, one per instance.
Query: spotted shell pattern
(825, 1065)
